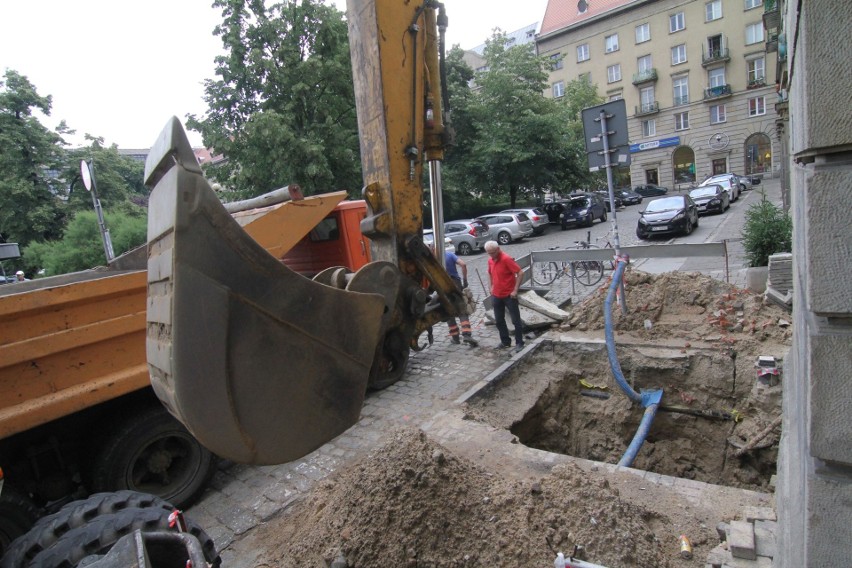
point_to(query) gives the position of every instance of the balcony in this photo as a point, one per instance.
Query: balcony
(756, 83)
(718, 55)
(771, 15)
(713, 93)
(647, 108)
(645, 76)
(771, 42)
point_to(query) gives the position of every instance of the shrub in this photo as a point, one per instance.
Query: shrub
(767, 230)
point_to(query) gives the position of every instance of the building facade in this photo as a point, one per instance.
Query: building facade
(693, 75)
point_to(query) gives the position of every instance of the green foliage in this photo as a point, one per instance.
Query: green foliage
(81, 247)
(283, 108)
(29, 156)
(119, 179)
(767, 230)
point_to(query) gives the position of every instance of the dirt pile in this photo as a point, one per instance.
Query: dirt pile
(689, 306)
(414, 503)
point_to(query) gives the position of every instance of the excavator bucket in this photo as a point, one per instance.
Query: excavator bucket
(249, 355)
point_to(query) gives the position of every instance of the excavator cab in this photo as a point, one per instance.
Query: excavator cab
(261, 364)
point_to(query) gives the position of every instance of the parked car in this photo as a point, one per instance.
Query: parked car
(711, 198)
(507, 227)
(554, 211)
(670, 214)
(429, 239)
(748, 182)
(605, 195)
(728, 181)
(467, 235)
(536, 215)
(650, 190)
(628, 197)
(582, 210)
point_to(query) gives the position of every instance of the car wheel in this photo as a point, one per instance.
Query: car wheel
(464, 249)
(688, 229)
(504, 238)
(641, 235)
(603, 217)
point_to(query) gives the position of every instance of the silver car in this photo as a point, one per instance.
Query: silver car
(467, 235)
(536, 215)
(730, 182)
(507, 227)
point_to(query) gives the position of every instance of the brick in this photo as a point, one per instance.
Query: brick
(741, 540)
(751, 514)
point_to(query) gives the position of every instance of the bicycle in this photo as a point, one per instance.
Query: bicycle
(587, 244)
(586, 272)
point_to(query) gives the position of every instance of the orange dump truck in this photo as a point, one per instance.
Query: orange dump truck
(77, 413)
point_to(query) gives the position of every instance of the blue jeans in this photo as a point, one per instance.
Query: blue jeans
(500, 306)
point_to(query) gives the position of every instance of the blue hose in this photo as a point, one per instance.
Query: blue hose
(650, 399)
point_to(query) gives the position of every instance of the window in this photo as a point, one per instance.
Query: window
(647, 98)
(643, 33)
(613, 73)
(716, 77)
(756, 71)
(716, 47)
(616, 96)
(611, 42)
(717, 114)
(681, 120)
(712, 10)
(583, 52)
(681, 91)
(676, 22)
(649, 128)
(757, 106)
(754, 33)
(556, 61)
(558, 89)
(679, 54)
(749, 4)
(643, 64)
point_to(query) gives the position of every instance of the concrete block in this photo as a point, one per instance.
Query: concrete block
(828, 236)
(828, 512)
(764, 541)
(831, 394)
(741, 540)
(752, 514)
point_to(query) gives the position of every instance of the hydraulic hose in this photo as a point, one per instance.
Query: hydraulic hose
(650, 399)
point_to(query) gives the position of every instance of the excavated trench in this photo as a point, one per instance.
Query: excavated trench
(562, 398)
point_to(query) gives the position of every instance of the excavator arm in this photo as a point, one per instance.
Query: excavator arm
(261, 364)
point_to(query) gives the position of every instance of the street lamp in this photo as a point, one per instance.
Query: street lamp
(87, 172)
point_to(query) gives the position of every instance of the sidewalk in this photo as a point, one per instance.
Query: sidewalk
(243, 497)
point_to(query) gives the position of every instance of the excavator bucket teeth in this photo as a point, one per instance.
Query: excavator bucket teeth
(249, 355)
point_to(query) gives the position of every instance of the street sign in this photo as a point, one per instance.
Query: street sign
(615, 113)
(9, 250)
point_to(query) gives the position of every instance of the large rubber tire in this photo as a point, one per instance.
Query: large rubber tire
(464, 249)
(603, 217)
(74, 515)
(151, 452)
(504, 238)
(17, 516)
(99, 535)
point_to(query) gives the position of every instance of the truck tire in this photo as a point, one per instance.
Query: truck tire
(17, 516)
(51, 528)
(152, 452)
(99, 535)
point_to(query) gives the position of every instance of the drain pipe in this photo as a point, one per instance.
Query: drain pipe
(649, 399)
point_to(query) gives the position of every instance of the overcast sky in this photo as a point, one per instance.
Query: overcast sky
(120, 69)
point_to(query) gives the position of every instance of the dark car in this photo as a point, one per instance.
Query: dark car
(582, 210)
(554, 211)
(628, 197)
(710, 199)
(605, 195)
(665, 215)
(650, 190)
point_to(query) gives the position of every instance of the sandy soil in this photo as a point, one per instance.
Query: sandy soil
(417, 502)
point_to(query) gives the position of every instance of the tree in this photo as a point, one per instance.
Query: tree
(283, 108)
(81, 247)
(30, 158)
(119, 179)
(767, 230)
(512, 141)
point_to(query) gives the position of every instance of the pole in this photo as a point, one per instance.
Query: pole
(98, 210)
(611, 190)
(437, 197)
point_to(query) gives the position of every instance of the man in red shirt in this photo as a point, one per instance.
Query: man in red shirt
(505, 276)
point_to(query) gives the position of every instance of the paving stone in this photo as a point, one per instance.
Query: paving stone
(741, 540)
(764, 541)
(752, 514)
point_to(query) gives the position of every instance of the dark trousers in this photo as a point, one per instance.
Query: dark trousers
(500, 306)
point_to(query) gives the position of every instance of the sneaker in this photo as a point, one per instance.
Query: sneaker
(500, 346)
(471, 341)
(519, 348)
(455, 339)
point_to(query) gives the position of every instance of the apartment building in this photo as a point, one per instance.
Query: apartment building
(692, 74)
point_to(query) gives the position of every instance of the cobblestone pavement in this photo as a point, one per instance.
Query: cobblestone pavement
(242, 497)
